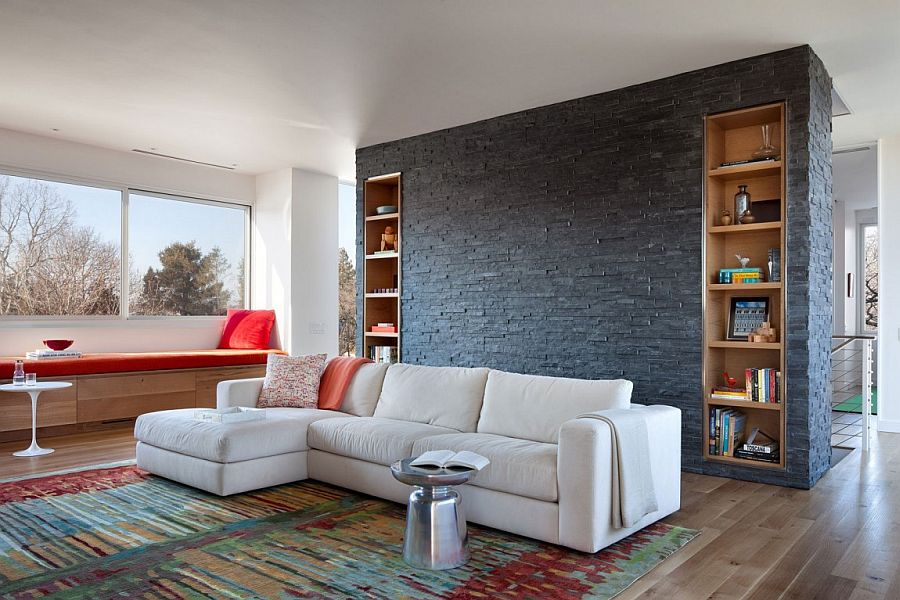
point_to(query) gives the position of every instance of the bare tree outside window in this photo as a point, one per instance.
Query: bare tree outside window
(870, 283)
(346, 270)
(55, 261)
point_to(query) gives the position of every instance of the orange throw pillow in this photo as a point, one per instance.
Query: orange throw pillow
(247, 329)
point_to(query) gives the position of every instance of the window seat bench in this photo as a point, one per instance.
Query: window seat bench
(112, 388)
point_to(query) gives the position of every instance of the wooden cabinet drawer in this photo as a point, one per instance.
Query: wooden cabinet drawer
(207, 381)
(124, 396)
(54, 407)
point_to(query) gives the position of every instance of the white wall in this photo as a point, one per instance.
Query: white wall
(294, 252)
(855, 194)
(889, 284)
(49, 156)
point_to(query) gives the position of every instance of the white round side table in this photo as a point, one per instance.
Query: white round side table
(34, 391)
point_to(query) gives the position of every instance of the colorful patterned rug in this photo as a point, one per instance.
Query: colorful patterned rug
(119, 533)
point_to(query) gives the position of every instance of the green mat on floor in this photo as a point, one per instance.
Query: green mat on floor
(854, 404)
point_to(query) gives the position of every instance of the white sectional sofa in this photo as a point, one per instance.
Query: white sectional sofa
(550, 476)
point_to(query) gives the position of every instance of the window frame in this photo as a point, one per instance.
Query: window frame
(124, 317)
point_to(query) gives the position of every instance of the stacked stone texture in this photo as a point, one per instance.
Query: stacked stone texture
(567, 240)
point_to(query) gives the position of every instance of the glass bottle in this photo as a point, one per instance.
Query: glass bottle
(741, 202)
(19, 373)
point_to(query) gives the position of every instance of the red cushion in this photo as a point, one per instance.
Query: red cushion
(247, 329)
(124, 362)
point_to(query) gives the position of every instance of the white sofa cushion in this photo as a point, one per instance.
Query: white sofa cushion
(283, 430)
(520, 467)
(372, 439)
(364, 389)
(533, 407)
(442, 396)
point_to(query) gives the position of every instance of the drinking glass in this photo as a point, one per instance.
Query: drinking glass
(30, 378)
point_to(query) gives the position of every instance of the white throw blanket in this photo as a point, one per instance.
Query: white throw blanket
(633, 496)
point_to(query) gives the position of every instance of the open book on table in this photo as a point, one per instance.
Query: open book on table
(448, 459)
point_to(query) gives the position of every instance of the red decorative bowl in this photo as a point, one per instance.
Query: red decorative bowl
(58, 344)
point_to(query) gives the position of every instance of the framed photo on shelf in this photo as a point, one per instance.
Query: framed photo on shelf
(746, 315)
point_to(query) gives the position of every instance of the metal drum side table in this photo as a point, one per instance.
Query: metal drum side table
(34, 391)
(436, 535)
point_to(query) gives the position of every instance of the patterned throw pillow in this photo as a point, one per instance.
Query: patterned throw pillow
(292, 381)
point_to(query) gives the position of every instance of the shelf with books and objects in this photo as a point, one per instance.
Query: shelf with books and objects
(744, 297)
(382, 218)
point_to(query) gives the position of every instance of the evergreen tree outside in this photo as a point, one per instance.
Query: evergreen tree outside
(188, 283)
(346, 305)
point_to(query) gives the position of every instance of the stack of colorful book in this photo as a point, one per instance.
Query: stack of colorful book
(744, 275)
(384, 354)
(763, 385)
(728, 393)
(726, 431)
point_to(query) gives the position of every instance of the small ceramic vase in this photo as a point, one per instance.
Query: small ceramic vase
(726, 217)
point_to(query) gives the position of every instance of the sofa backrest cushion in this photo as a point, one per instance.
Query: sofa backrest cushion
(443, 396)
(365, 388)
(533, 407)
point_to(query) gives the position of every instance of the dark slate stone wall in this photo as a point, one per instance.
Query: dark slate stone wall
(567, 240)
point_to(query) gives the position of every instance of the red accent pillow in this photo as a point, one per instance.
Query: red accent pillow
(247, 329)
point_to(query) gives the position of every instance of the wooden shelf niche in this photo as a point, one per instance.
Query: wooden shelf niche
(381, 270)
(735, 136)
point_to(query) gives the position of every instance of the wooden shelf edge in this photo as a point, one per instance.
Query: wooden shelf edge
(766, 285)
(754, 167)
(745, 462)
(386, 217)
(748, 345)
(745, 404)
(391, 295)
(384, 177)
(766, 226)
(379, 334)
(378, 256)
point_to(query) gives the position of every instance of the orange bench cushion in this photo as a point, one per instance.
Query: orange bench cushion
(124, 362)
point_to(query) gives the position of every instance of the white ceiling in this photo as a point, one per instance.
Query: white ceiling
(268, 84)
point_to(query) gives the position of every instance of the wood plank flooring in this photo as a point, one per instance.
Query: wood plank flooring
(70, 451)
(840, 540)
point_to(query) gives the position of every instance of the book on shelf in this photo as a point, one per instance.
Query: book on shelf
(738, 275)
(760, 442)
(726, 427)
(384, 329)
(747, 161)
(43, 354)
(747, 455)
(774, 264)
(763, 385)
(384, 354)
(448, 459)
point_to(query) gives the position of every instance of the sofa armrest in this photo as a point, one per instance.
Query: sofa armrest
(584, 472)
(238, 392)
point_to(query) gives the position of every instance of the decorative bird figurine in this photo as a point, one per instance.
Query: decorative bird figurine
(744, 260)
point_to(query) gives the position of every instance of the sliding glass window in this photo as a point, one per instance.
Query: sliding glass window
(61, 252)
(186, 258)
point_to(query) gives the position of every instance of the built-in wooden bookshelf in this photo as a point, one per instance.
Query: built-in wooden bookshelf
(381, 269)
(729, 137)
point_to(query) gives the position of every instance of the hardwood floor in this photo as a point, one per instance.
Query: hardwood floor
(840, 540)
(70, 451)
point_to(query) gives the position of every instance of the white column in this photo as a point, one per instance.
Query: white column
(314, 265)
(295, 243)
(889, 284)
